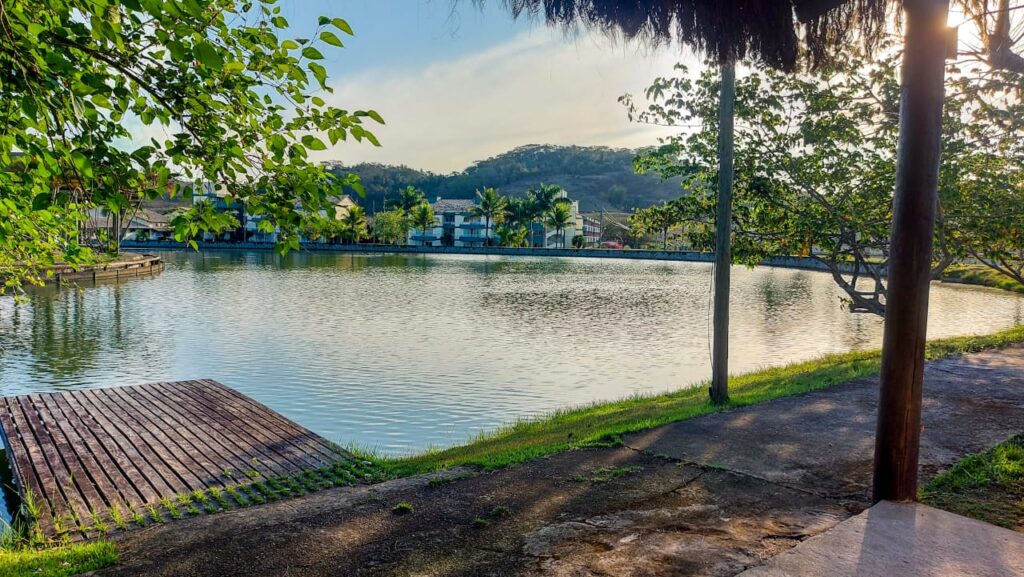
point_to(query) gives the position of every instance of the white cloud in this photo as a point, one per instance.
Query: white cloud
(539, 87)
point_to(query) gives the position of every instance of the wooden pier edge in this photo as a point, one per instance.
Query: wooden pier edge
(85, 453)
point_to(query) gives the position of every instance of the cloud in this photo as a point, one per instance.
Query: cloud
(538, 87)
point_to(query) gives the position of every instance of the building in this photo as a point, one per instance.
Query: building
(591, 231)
(142, 224)
(454, 225)
(343, 205)
(249, 224)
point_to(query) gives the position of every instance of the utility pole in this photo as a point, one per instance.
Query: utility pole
(723, 232)
(915, 203)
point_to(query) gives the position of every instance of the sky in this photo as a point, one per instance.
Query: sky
(457, 83)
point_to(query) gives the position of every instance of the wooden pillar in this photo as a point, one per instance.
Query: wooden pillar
(723, 232)
(914, 207)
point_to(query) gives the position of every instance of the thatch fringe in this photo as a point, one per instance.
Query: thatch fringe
(769, 31)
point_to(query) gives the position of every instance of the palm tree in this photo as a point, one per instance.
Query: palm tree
(559, 218)
(490, 206)
(354, 224)
(512, 236)
(517, 210)
(408, 199)
(423, 218)
(543, 200)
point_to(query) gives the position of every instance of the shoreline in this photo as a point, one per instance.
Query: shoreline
(802, 263)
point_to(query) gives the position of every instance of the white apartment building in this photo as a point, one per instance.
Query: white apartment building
(454, 225)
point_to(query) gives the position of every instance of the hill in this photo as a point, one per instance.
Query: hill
(600, 178)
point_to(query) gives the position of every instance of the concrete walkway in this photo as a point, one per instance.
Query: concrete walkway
(903, 539)
(716, 495)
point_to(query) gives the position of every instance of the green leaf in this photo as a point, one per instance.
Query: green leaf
(41, 201)
(208, 55)
(313, 143)
(312, 53)
(340, 24)
(331, 38)
(374, 115)
(319, 72)
(289, 45)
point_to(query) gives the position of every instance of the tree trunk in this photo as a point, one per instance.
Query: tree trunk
(723, 232)
(914, 207)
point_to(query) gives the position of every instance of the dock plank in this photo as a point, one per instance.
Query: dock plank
(271, 447)
(85, 451)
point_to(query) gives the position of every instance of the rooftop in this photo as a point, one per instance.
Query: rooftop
(442, 205)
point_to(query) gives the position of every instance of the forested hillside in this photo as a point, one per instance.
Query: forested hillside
(599, 177)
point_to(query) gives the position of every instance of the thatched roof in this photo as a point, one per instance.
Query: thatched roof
(771, 31)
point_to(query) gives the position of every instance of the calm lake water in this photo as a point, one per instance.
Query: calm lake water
(404, 352)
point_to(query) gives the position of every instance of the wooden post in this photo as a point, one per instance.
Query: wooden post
(914, 207)
(723, 231)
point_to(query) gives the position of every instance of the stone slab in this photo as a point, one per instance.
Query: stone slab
(905, 539)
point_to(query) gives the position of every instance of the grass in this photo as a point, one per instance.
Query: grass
(983, 276)
(986, 486)
(605, 474)
(57, 561)
(24, 551)
(601, 424)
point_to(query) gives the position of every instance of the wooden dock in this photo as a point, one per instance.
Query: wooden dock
(144, 265)
(82, 453)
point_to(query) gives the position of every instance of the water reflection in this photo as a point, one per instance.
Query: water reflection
(407, 351)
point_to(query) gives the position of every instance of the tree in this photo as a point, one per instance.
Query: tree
(204, 217)
(491, 207)
(423, 219)
(657, 219)
(559, 218)
(409, 198)
(520, 210)
(391, 227)
(242, 103)
(353, 224)
(815, 164)
(513, 236)
(543, 200)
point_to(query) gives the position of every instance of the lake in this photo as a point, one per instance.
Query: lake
(404, 352)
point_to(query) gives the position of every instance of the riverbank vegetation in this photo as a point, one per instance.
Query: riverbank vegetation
(982, 276)
(986, 486)
(602, 424)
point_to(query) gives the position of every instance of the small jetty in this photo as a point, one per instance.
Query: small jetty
(123, 268)
(82, 455)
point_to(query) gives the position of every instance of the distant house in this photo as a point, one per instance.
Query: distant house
(454, 225)
(343, 205)
(143, 224)
(249, 229)
(591, 230)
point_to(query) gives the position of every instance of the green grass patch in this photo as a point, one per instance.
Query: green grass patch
(986, 486)
(605, 474)
(601, 424)
(57, 561)
(982, 276)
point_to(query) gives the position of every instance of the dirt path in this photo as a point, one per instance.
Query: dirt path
(711, 496)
